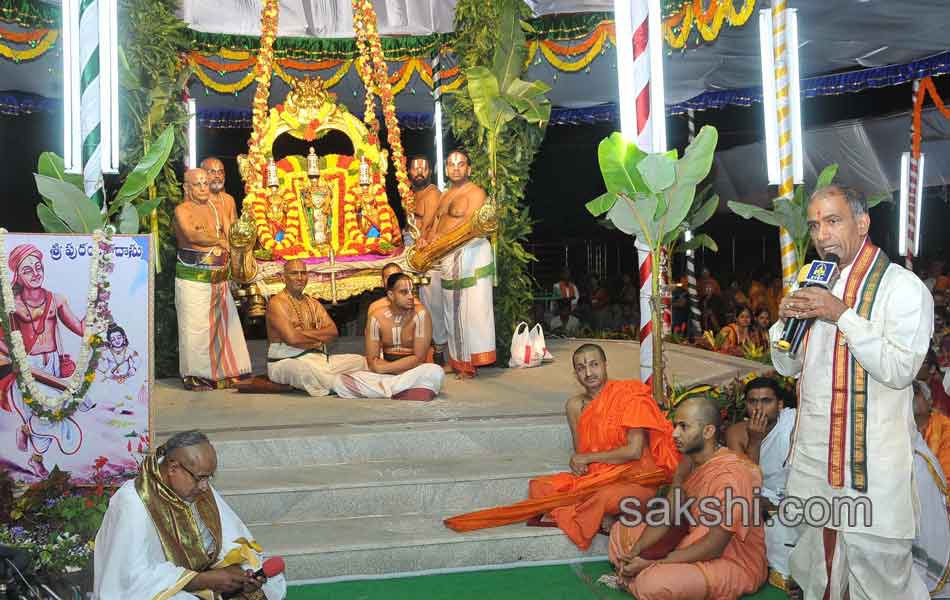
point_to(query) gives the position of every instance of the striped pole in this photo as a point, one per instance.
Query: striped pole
(644, 124)
(695, 327)
(786, 188)
(89, 100)
(912, 188)
(645, 263)
(437, 118)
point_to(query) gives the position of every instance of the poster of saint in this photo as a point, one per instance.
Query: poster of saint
(77, 318)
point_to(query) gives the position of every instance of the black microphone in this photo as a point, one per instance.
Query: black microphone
(819, 273)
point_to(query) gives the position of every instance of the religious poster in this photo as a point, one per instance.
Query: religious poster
(77, 311)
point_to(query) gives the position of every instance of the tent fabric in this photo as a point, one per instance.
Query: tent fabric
(867, 152)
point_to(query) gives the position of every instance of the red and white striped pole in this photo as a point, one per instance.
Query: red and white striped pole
(912, 188)
(642, 118)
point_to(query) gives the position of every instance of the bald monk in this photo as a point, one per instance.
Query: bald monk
(932, 425)
(388, 269)
(298, 331)
(466, 274)
(613, 424)
(398, 338)
(720, 562)
(619, 434)
(211, 348)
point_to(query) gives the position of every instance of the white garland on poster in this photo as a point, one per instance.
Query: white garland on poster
(98, 316)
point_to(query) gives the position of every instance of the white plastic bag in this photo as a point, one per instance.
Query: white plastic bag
(538, 344)
(523, 354)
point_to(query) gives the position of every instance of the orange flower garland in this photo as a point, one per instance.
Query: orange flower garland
(263, 70)
(364, 23)
(388, 234)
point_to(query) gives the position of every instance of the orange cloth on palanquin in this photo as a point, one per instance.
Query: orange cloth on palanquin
(937, 436)
(742, 567)
(578, 503)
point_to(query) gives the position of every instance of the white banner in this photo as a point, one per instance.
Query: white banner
(107, 433)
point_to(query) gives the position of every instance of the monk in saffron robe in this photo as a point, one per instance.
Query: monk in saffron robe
(623, 448)
(932, 425)
(722, 556)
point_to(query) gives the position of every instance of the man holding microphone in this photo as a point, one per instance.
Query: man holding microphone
(852, 451)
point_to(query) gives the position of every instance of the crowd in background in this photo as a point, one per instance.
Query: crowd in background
(737, 315)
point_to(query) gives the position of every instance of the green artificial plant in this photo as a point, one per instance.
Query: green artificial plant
(514, 119)
(650, 196)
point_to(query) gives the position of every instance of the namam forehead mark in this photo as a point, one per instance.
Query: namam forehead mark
(419, 162)
(457, 159)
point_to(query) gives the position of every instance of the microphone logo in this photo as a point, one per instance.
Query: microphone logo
(820, 273)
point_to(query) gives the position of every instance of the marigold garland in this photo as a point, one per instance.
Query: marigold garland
(708, 22)
(364, 23)
(263, 70)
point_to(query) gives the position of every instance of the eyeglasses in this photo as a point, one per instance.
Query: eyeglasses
(198, 480)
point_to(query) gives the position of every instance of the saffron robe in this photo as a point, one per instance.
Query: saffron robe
(741, 569)
(578, 503)
(937, 436)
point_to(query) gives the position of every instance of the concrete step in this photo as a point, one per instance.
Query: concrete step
(318, 492)
(388, 441)
(380, 545)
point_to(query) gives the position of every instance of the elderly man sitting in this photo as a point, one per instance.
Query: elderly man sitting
(168, 534)
(299, 329)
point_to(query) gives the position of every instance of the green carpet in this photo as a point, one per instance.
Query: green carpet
(559, 582)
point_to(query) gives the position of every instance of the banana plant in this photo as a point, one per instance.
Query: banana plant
(498, 95)
(67, 209)
(792, 215)
(650, 196)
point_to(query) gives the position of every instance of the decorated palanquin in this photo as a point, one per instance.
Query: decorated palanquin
(332, 211)
(318, 206)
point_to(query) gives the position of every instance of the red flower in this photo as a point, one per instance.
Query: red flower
(101, 462)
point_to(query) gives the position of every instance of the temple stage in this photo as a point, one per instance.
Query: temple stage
(358, 488)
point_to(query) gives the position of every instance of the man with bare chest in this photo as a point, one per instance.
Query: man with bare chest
(466, 274)
(398, 337)
(212, 352)
(222, 200)
(425, 193)
(298, 331)
(427, 204)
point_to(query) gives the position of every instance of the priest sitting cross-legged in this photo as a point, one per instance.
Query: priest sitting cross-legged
(722, 556)
(299, 329)
(398, 339)
(765, 437)
(168, 534)
(623, 448)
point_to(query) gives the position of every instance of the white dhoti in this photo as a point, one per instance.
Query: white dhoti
(309, 370)
(467, 275)
(779, 538)
(366, 384)
(931, 548)
(868, 566)
(431, 296)
(211, 342)
(130, 562)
